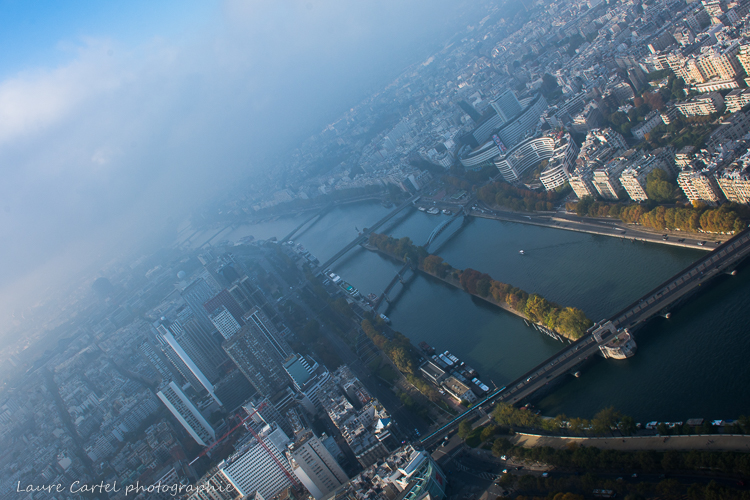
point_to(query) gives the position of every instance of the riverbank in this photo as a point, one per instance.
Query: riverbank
(453, 281)
(604, 228)
(568, 222)
(704, 442)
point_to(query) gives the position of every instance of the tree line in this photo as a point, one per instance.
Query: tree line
(727, 218)
(399, 350)
(603, 423)
(567, 321)
(592, 459)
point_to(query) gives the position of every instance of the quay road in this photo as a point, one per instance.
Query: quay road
(658, 301)
(601, 226)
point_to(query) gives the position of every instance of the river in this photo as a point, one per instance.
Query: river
(693, 365)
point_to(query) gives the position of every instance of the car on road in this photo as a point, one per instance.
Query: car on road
(701, 243)
(505, 471)
(545, 474)
(503, 458)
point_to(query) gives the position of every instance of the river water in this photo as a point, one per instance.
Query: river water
(693, 365)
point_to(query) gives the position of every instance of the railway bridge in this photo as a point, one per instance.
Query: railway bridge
(365, 234)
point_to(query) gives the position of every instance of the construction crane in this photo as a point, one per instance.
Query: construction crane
(289, 476)
(242, 421)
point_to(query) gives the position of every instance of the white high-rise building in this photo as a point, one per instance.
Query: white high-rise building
(506, 105)
(214, 486)
(315, 466)
(255, 468)
(633, 178)
(197, 374)
(700, 186)
(187, 414)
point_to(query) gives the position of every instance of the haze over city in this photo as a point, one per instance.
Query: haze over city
(376, 250)
(119, 118)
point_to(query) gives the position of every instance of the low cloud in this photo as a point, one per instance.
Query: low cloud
(107, 146)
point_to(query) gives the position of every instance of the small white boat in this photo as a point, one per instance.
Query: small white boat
(521, 252)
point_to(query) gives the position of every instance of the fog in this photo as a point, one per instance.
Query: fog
(107, 139)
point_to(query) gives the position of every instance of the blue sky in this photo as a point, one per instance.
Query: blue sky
(40, 32)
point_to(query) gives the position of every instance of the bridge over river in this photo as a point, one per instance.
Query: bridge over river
(658, 301)
(364, 235)
(399, 278)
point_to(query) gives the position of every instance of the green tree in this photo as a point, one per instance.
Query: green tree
(488, 432)
(501, 446)
(549, 84)
(677, 85)
(604, 420)
(627, 425)
(670, 489)
(537, 307)
(483, 286)
(402, 359)
(659, 187)
(464, 429)
(617, 119)
(578, 424)
(572, 322)
(582, 208)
